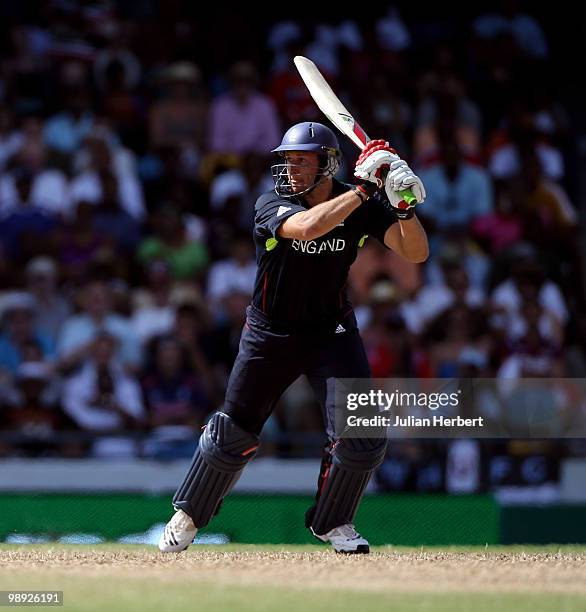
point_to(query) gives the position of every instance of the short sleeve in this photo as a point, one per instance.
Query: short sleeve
(378, 216)
(271, 211)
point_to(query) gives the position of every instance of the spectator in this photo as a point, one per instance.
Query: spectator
(434, 299)
(175, 399)
(445, 109)
(532, 315)
(186, 258)
(458, 191)
(31, 130)
(154, 313)
(240, 187)
(220, 344)
(526, 276)
(545, 201)
(327, 43)
(77, 337)
(391, 32)
(522, 137)
(173, 393)
(79, 245)
(66, 130)
(26, 230)
(387, 341)
(281, 36)
(390, 113)
(101, 399)
(35, 418)
(179, 119)
(375, 261)
(107, 182)
(117, 72)
(51, 309)
(46, 189)
(524, 28)
(18, 332)
(236, 274)
(498, 230)
(112, 220)
(286, 89)
(117, 51)
(452, 332)
(122, 161)
(192, 330)
(243, 120)
(532, 356)
(460, 250)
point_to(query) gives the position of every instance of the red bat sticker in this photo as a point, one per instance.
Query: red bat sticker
(360, 133)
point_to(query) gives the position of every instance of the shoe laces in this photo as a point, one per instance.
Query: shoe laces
(348, 531)
(182, 521)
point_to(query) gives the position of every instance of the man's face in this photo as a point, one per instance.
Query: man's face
(97, 299)
(103, 350)
(302, 166)
(41, 282)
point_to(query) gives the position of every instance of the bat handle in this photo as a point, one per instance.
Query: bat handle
(406, 194)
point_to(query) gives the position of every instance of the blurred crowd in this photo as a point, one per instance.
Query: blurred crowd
(131, 155)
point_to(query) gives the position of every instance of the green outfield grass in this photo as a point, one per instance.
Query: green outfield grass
(138, 595)
(301, 578)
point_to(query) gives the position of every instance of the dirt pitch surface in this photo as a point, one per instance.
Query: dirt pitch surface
(268, 578)
(547, 572)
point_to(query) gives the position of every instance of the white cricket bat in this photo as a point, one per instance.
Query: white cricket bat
(330, 105)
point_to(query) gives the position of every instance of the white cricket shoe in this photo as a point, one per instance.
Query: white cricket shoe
(179, 533)
(345, 539)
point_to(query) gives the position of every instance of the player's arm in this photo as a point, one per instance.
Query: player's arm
(408, 239)
(322, 218)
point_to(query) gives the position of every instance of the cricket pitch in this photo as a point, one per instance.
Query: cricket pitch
(306, 578)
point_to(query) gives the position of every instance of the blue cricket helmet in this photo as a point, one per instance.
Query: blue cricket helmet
(307, 136)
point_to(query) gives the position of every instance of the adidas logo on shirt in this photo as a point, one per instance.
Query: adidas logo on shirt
(282, 210)
(340, 329)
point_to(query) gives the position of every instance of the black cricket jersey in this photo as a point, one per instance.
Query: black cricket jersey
(301, 284)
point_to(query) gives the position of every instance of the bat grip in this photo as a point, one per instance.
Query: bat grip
(406, 194)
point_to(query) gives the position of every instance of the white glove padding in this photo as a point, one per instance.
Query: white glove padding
(372, 167)
(401, 177)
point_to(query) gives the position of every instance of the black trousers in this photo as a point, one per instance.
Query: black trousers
(269, 361)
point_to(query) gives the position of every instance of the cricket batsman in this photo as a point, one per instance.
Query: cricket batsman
(307, 234)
